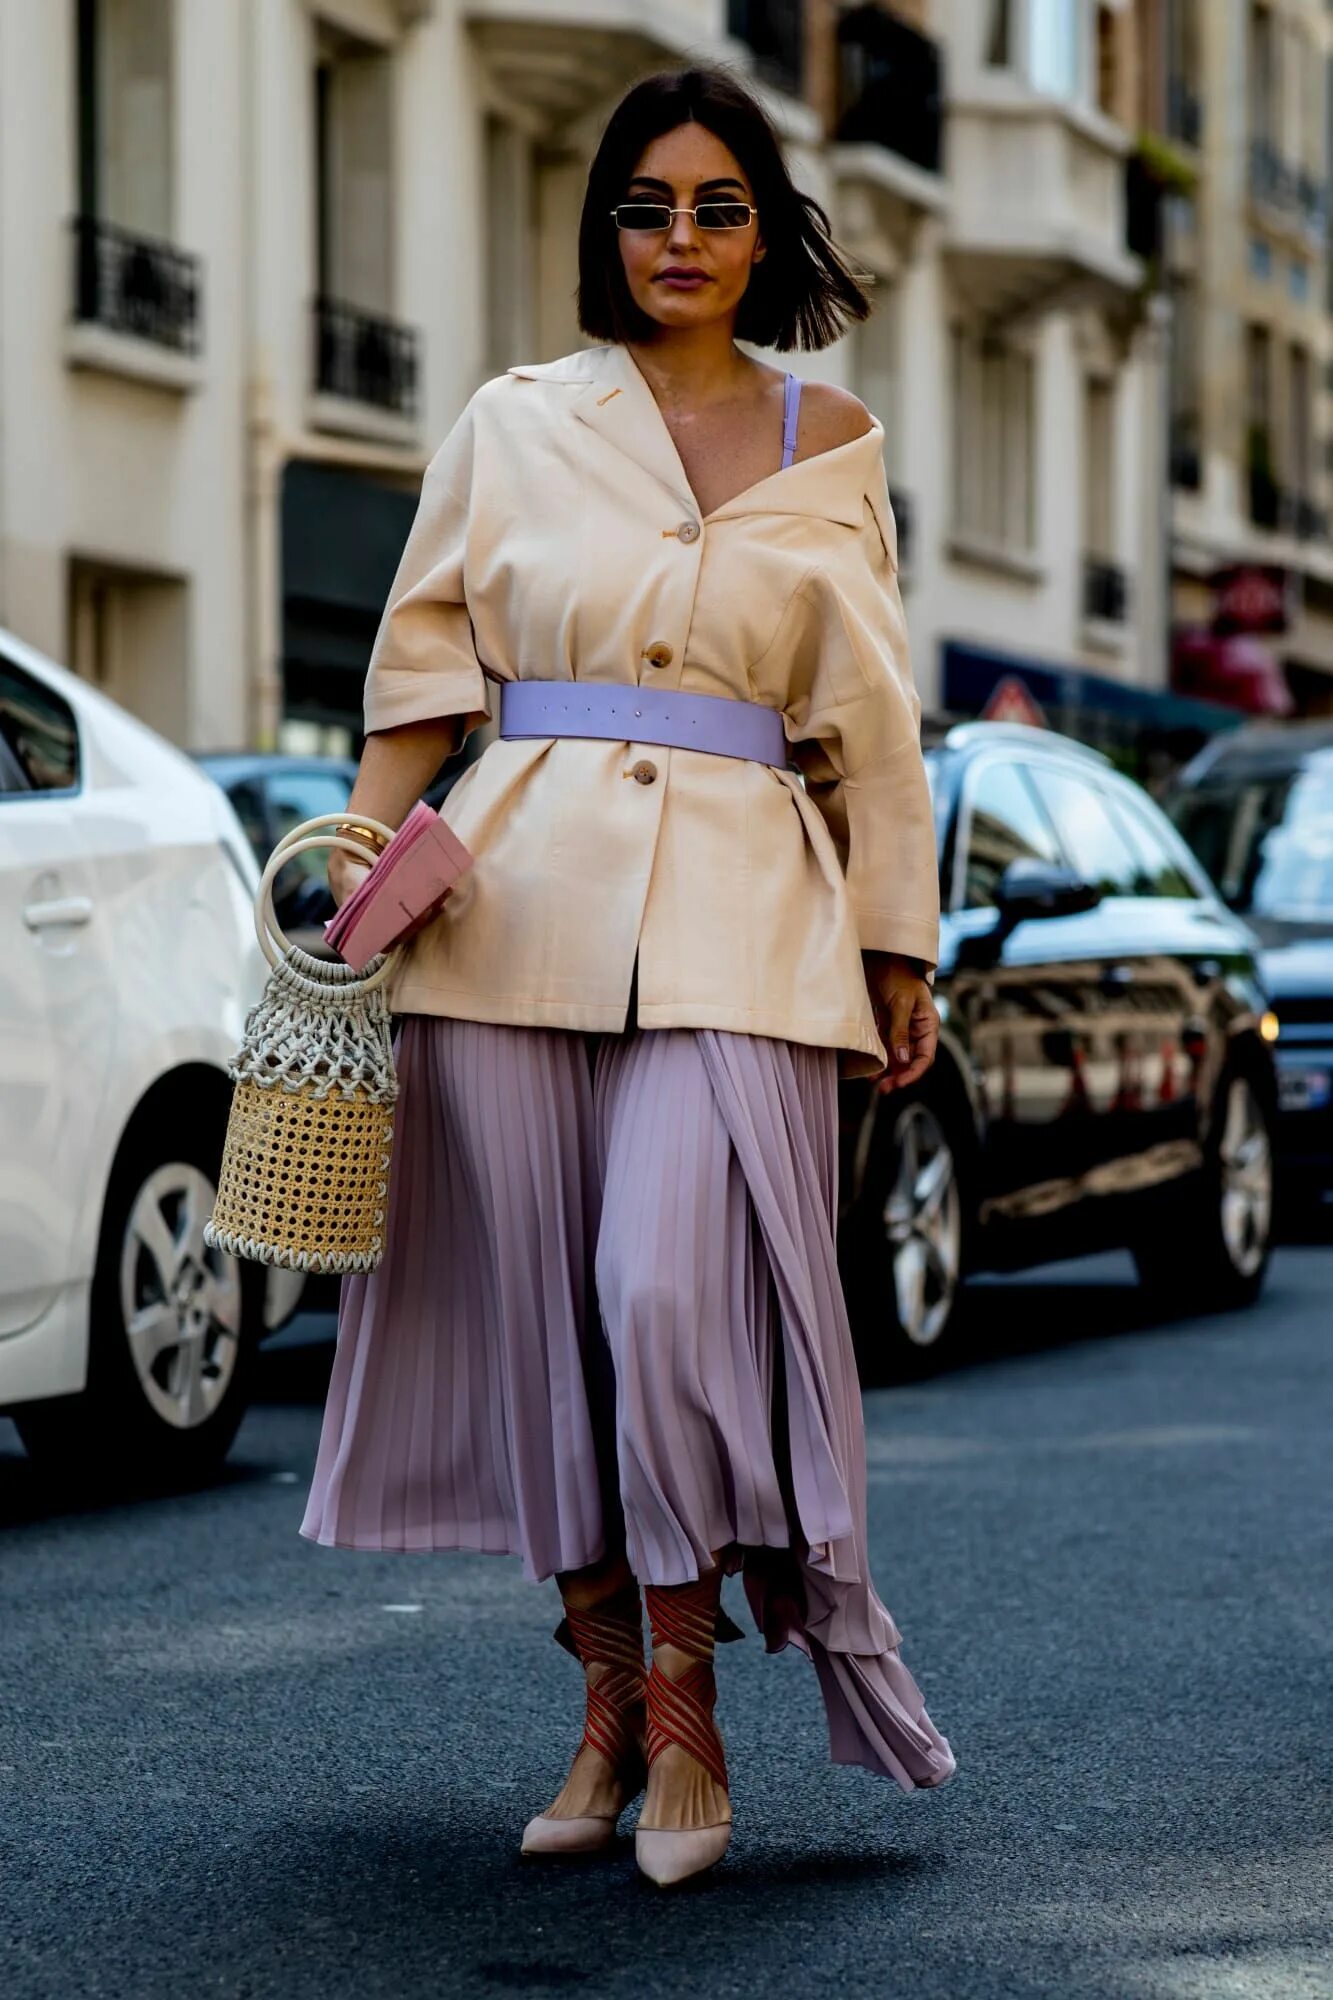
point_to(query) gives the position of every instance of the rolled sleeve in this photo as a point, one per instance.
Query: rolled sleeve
(856, 724)
(423, 664)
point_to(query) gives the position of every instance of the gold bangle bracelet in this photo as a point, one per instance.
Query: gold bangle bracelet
(353, 830)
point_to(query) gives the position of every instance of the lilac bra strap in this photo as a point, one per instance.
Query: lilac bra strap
(616, 712)
(791, 410)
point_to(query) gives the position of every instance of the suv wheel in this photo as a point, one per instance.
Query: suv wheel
(1225, 1216)
(908, 1272)
(172, 1335)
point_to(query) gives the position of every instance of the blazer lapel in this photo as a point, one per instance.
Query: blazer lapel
(618, 404)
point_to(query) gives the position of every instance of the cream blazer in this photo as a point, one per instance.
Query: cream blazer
(557, 537)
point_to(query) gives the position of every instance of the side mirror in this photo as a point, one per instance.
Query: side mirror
(1030, 889)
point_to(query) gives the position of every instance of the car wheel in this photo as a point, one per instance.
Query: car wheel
(908, 1263)
(173, 1332)
(1224, 1217)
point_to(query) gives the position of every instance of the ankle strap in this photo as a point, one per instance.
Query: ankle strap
(684, 1615)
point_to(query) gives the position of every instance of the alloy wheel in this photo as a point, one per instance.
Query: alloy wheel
(180, 1301)
(1246, 1157)
(923, 1226)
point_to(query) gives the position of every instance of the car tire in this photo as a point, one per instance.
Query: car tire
(1208, 1246)
(174, 1328)
(909, 1235)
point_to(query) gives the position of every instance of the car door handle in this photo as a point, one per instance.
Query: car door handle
(58, 910)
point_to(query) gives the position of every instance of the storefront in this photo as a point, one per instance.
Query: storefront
(342, 536)
(1146, 732)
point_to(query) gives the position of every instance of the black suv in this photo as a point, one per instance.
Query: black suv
(1257, 808)
(1104, 1077)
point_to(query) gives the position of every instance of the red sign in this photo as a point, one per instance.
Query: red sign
(1011, 700)
(1251, 597)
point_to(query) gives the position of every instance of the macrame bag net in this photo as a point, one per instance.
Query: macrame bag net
(305, 1167)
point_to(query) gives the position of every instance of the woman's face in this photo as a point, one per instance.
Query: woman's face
(685, 276)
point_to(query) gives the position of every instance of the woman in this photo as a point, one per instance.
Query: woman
(608, 1335)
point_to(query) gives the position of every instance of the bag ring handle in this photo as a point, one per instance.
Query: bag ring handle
(297, 840)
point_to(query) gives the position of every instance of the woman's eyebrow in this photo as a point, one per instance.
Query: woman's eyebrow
(648, 180)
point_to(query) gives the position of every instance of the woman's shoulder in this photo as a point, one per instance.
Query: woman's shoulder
(830, 416)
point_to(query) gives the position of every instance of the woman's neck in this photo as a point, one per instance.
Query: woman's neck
(692, 365)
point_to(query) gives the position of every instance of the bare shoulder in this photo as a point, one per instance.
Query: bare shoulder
(830, 416)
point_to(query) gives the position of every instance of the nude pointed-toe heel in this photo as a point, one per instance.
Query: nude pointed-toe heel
(608, 1636)
(680, 1713)
(544, 1835)
(666, 1855)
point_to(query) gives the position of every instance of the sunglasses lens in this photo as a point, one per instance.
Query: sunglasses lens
(642, 215)
(722, 214)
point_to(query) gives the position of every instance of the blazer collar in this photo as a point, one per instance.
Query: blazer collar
(612, 397)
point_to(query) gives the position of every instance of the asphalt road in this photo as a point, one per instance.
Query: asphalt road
(234, 1765)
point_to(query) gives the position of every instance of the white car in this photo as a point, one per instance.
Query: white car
(128, 960)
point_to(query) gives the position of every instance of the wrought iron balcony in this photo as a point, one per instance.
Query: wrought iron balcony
(1277, 182)
(890, 87)
(774, 32)
(364, 359)
(132, 284)
(1105, 590)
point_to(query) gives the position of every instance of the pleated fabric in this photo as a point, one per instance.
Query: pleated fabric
(609, 1316)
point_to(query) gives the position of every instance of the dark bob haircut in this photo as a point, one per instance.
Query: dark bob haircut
(800, 294)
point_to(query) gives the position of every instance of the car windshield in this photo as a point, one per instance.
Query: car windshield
(1266, 840)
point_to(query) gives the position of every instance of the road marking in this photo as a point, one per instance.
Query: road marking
(400, 1607)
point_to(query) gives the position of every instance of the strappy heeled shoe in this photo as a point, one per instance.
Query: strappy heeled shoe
(680, 1713)
(608, 1636)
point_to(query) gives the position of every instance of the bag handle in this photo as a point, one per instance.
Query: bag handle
(295, 841)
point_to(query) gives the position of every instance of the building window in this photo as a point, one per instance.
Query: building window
(511, 244)
(1186, 470)
(1260, 259)
(1264, 493)
(875, 364)
(1299, 465)
(997, 48)
(1099, 467)
(1057, 47)
(993, 457)
(1298, 280)
(127, 275)
(129, 636)
(126, 135)
(353, 172)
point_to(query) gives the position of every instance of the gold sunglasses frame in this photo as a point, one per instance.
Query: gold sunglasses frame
(718, 201)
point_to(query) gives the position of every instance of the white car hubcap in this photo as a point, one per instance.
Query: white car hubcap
(1247, 1179)
(923, 1225)
(180, 1301)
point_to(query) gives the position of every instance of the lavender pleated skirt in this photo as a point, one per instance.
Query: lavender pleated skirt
(609, 1317)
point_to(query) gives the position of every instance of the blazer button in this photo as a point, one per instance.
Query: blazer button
(645, 772)
(688, 531)
(659, 654)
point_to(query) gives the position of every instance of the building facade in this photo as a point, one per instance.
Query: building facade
(1244, 102)
(255, 257)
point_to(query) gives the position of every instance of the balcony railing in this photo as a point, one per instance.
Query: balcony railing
(131, 284)
(890, 87)
(1184, 111)
(901, 503)
(364, 359)
(1105, 590)
(774, 31)
(1275, 181)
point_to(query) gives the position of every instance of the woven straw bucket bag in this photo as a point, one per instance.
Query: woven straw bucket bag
(305, 1166)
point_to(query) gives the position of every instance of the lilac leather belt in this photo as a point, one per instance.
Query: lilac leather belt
(621, 714)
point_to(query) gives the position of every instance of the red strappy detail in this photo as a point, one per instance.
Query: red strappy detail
(611, 1635)
(681, 1711)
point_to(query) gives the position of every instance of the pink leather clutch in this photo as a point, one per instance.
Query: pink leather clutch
(421, 863)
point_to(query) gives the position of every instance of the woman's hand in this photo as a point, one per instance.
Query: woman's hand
(346, 873)
(906, 1016)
